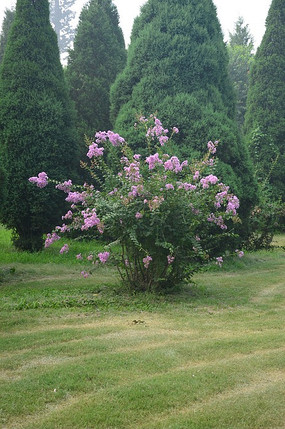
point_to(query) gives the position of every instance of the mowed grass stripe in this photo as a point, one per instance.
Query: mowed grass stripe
(135, 398)
(95, 372)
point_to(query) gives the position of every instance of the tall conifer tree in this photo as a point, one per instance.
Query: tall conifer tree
(178, 66)
(36, 125)
(265, 117)
(98, 55)
(6, 26)
(240, 48)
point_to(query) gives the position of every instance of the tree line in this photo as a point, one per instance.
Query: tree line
(177, 65)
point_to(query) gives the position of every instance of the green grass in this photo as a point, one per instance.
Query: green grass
(85, 353)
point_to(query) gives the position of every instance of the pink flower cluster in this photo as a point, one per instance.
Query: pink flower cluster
(64, 249)
(169, 186)
(51, 238)
(219, 261)
(240, 253)
(68, 215)
(91, 219)
(208, 180)
(155, 202)
(114, 138)
(95, 150)
(186, 186)
(158, 131)
(153, 160)
(217, 220)
(212, 146)
(170, 259)
(233, 205)
(136, 190)
(41, 180)
(146, 261)
(65, 186)
(104, 256)
(76, 197)
(173, 164)
(132, 171)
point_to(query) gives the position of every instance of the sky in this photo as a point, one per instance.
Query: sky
(254, 13)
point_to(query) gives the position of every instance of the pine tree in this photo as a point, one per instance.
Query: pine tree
(6, 25)
(36, 126)
(265, 117)
(240, 48)
(177, 66)
(98, 55)
(61, 16)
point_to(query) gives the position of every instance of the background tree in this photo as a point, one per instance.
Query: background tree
(178, 66)
(240, 48)
(98, 55)
(61, 16)
(36, 125)
(9, 15)
(265, 117)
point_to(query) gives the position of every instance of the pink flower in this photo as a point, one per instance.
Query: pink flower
(65, 186)
(153, 160)
(146, 261)
(196, 175)
(138, 215)
(240, 253)
(84, 274)
(68, 215)
(170, 259)
(64, 249)
(133, 171)
(175, 130)
(94, 150)
(115, 139)
(219, 261)
(75, 197)
(162, 140)
(212, 147)
(233, 205)
(41, 181)
(51, 238)
(206, 181)
(169, 186)
(104, 256)
(79, 256)
(91, 219)
(90, 257)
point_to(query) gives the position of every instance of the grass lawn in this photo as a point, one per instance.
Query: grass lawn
(85, 353)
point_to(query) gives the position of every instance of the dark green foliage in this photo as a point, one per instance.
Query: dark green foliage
(6, 25)
(61, 16)
(178, 67)
(240, 48)
(36, 126)
(265, 117)
(98, 55)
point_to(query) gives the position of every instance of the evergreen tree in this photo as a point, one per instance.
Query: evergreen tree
(98, 55)
(265, 117)
(241, 35)
(240, 49)
(178, 66)
(6, 25)
(36, 126)
(61, 16)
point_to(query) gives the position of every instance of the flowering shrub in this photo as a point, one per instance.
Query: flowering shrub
(167, 218)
